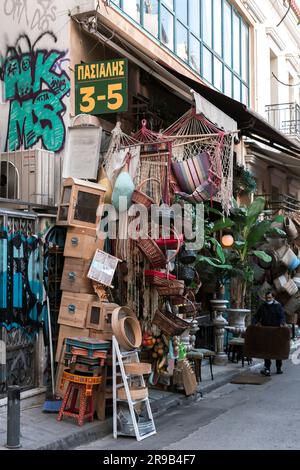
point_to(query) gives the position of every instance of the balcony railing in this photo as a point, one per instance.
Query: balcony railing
(283, 203)
(285, 117)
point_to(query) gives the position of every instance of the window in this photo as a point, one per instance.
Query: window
(236, 43)
(227, 82)
(182, 10)
(195, 53)
(236, 89)
(207, 22)
(182, 42)
(227, 34)
(132, 8)
(218, 74)
(207, 65)
(167, 28)
(151, 16)
(208, 35)
(218, 26)
(245, 52)
(194, 15)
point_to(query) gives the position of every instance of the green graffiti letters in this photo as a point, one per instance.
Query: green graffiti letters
(36, 86)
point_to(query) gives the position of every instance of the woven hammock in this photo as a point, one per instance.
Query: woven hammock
(193, 135)
(115, 156)
(155, 161)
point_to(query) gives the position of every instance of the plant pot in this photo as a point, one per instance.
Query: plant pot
(236, 317)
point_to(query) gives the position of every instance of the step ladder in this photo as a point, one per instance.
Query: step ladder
(119, 359)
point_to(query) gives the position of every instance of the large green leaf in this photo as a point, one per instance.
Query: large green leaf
(212, 210)
(221, 225)
(219, 250)
(213, 262)
(257, 233)
(256, 208)
(263, 256)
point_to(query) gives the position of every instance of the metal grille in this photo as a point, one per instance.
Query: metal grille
(285, 117)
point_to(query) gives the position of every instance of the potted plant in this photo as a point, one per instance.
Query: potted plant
(249, 226)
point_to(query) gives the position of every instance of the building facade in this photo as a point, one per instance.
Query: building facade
(230, 52)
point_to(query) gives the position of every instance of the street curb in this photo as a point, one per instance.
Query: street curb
(99, 430)
(92, 432)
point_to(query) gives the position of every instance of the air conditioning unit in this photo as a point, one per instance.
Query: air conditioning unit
(28, 176)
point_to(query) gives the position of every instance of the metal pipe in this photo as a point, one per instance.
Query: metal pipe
(13, 417)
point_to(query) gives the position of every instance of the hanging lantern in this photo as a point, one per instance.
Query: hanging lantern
(227, 241)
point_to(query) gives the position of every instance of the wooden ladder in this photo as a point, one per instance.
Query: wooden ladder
(119, 359)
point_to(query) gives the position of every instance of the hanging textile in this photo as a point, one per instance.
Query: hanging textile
(119, 153)
(197, 141)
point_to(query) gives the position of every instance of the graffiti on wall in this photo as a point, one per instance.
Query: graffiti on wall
(41, 17)
(36, 85)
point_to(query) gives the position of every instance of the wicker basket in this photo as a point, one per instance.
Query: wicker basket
(169, 323)
(157, 278)
(173, 288)
(191, 307)
(138, 197)
(153, 253)
(136, 393)
(138, 368)
(131, 332)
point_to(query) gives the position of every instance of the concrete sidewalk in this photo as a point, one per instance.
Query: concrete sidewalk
(40, 431)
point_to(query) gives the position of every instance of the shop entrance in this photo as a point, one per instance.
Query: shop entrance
(21, 296)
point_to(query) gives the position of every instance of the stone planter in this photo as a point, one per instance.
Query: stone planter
(219, 322)
(236, 317)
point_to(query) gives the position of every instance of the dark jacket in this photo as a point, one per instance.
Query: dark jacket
(270, 315)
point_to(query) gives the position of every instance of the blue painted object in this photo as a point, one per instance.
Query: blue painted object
(89, 344)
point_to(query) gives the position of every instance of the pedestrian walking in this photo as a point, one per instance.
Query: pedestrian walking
(270, 313)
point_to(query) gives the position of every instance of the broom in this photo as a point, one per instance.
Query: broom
(52, 403)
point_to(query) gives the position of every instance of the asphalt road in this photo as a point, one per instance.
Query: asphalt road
(244, 417)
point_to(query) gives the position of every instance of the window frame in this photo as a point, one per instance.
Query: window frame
(118, 4)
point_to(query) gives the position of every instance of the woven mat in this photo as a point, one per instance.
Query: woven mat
(250, 379)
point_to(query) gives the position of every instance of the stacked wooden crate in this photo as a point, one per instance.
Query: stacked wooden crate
(81, 314)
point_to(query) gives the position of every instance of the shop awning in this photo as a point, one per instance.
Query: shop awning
(249, 122)
(274, 157)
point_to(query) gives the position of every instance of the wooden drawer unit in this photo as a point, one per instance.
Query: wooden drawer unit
(81, 204)
(82, 243)
(99, 316)
(97, 334)
(74, 278)
(74, 308)
(68, 332)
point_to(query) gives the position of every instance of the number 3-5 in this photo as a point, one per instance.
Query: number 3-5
(115, 100)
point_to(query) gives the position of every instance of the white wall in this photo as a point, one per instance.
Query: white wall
(284, 42)
(35, 72)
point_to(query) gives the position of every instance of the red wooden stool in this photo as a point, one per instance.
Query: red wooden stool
(84, 386)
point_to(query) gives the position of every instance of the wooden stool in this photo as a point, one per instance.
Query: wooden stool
(83, 386)
(196, 357)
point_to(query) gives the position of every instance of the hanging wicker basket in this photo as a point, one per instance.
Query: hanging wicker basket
(139, 197)
(169, 323)
(153, 253)
(158, 278)
(173, 288)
